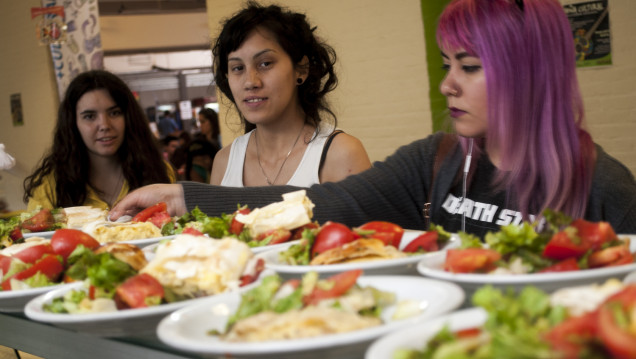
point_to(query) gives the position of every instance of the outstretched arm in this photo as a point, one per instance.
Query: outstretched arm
(147, 196)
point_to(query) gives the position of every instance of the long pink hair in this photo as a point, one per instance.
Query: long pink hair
(535, 109)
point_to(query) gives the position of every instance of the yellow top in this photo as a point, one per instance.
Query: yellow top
(44, 195)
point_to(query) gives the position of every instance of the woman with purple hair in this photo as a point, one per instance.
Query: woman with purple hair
(519, 145)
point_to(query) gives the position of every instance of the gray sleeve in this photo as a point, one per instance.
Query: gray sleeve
(613, 194)
(392, 190)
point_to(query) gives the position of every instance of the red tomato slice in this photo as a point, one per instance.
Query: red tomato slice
(570, 336)
(33, 253)
(50, 265)
(192, 231)
(159, 219)
(594, 233)
(64, 241)
(387, 232)
(144, 215)
(5, 263)
(279, 235)
(565, 244)
(248, 278)
(331, 235)
(562, 266)
(236, 227)
(426, 242)
(40, 221)
(468, 333)
(611, 256)
(134, 291)
(471, 260)
(342, 282)
(16, 235)
(621, 342)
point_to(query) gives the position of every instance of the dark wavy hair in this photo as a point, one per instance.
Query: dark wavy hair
(68, 159)
(213, 118)
(295, 35)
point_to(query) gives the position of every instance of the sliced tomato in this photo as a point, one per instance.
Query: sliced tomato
(570, 336)
(426, 242)
(144, 215)
(34, 253)
(64, 241)
(387, 232)
(16, 235)
(298, 232)
(5, 263)
(619, 339)
(594, 233)
(611, 256)
(135, 291)
(471, 260)
(275, 236)
(192, 231)
(251, 277)
(342, 282)
(468, 333)
(562, 266)
(331, 235)
(236, 227)
(160, 219)
(50, 265)
(566, 244)
(39, 222)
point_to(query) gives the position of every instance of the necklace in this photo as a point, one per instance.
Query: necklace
(258, 157)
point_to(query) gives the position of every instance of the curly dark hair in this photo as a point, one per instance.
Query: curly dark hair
(68, 159)
(295, 35)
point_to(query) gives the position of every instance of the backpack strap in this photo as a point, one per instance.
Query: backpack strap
(325, 148)
(446, 144)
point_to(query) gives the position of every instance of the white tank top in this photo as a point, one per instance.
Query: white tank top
(306, 173)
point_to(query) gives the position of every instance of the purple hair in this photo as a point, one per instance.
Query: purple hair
(535, 110)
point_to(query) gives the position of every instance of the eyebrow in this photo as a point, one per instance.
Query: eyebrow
(458, 56)
(94, 111)
(253, 57)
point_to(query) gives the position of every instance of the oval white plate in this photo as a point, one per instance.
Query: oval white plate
(141, 243)
(396, 266)
(432, 266)
(14, 300)
(152, 248)
(140, 322)
(187, 328)
(416, 337)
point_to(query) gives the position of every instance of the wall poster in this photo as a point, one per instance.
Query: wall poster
(591, 29)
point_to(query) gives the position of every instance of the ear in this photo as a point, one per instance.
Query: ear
(302, 69)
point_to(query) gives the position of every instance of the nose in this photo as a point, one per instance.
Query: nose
(252, 79)
(104, 122)
(448, 86)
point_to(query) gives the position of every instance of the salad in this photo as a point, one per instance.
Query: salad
(305, 308)
(38, 220)
(532, 324)
(276, 223)
(334, 243)
(564, 245)
(184, 268)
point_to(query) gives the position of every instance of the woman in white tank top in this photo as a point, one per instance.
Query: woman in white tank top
(277, 73)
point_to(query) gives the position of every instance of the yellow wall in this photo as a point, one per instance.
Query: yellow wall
(383, 93)
(25, 68)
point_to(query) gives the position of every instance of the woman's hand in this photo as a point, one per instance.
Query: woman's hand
(147, 196)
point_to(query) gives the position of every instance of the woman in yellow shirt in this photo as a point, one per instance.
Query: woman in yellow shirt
(102, 149)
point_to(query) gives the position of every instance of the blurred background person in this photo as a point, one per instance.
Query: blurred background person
(200, 157)
(209, 127)
(167, 125)
(102, 148)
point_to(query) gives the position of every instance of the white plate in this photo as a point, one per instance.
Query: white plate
(417, 336)
(47, 234)
(152, 248)
(432, 266)
(187, 328)
(141, 243)
(397, 266)
(14, 300)
(141, 322)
